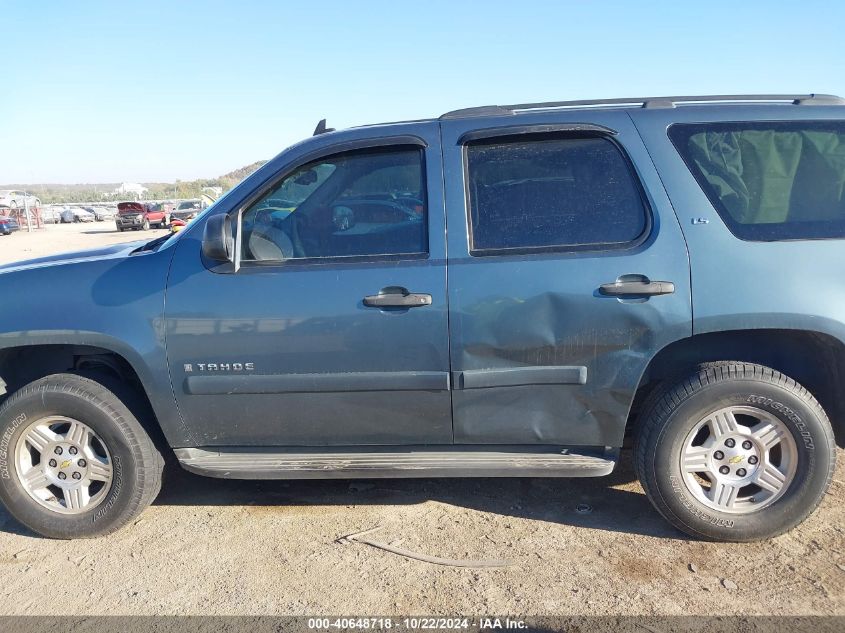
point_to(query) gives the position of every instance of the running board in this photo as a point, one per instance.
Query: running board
(411, 461)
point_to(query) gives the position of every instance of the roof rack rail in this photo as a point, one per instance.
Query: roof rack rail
(645, 102)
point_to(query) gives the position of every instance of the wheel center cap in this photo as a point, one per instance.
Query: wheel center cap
(65, 464)
(732, 461)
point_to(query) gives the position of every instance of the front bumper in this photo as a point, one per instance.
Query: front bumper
(130, 222)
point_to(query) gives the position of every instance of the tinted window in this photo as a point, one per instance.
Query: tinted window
(363, 203)
(770, 180)
(551, 193)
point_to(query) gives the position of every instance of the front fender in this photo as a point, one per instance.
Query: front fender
(113, 302)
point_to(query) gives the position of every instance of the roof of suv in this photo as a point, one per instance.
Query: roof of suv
(647, 102)
(625, 103)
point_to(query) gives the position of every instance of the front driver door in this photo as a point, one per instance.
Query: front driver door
(334, 329)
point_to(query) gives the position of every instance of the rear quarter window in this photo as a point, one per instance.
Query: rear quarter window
(769, 181)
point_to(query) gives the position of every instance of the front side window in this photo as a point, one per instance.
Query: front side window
(547, 193)
(360, 203)
(770, 180)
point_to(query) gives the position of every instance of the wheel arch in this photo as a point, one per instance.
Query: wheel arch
(47, 354)
(814, 359)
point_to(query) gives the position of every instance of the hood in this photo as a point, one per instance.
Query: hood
(115, 251)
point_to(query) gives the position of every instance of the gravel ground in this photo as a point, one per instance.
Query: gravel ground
(56, 238)
(232, 547)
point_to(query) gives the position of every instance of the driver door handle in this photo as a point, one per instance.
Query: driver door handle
(396, 297)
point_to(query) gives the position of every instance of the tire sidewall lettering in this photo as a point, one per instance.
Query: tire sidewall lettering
(5, 442)
(782, 410)
(114, 493)
(694, 508)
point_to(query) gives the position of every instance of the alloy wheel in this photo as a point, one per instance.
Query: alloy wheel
(63, 465)
(739, 460)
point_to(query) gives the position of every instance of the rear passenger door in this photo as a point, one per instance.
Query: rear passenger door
(567, 273)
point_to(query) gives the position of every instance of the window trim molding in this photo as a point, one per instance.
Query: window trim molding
(715, 202)
(564, 132)
(398, 142)
(533, 129)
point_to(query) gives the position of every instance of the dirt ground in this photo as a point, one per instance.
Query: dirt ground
(588, 546)
(57, 238)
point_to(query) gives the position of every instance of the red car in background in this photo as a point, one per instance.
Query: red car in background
(140, 215)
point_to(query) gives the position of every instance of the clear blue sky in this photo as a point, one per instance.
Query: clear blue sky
(158, 90)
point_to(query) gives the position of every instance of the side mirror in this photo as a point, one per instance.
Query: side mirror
(218, 242)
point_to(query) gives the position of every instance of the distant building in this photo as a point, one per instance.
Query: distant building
(213, 192)
(131, 189)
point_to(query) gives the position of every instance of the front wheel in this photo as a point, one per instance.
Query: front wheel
(736, 452)
(76, 462)
(146, 225)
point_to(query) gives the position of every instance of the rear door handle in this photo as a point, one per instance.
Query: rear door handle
(396, 297)
(637, 288)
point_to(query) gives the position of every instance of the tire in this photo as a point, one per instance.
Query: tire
(801, 438)
(120, 229)
(135, 464)
(146, 225)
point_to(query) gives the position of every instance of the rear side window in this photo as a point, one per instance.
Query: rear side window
(542, 193)
(770, 180)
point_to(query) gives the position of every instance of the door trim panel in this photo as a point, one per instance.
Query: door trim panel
(317, 383)
(519, 376)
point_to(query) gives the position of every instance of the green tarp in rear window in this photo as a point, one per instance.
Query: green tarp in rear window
(774, 180)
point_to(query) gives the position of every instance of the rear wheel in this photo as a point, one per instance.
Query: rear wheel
(736, 452)
(78, 463)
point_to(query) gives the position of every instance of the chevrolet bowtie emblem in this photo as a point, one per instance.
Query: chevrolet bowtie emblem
(736, 459)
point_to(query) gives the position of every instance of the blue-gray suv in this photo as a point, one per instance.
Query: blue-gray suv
(502, 291)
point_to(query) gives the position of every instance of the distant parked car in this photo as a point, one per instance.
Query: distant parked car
(186, 210)
(101, 213)
(140, 215)
(52, 214)
(8, 225)
(16, 199)
(75, 214)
